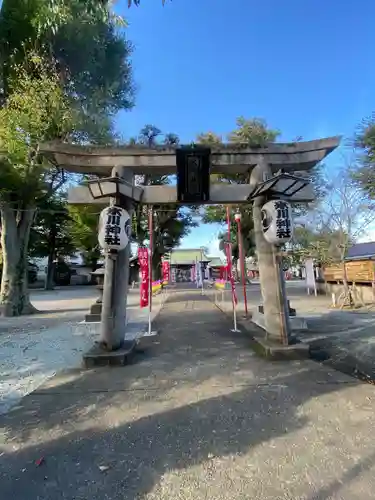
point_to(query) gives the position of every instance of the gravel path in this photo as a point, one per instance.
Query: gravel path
(198, 417)
(35, 348)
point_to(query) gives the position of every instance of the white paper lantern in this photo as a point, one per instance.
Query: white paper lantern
(277, 221)
(114, 228)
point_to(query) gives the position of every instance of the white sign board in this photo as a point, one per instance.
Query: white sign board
(173, 275)
(310, 276)
(114, 228)
(277, 221)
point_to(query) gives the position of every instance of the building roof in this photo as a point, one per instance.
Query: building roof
(215, 261)
(187, 256)
(361, 251)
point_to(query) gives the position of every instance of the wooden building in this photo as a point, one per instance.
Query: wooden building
(183, 260)
(359, 265)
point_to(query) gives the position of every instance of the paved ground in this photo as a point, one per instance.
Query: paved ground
(34, 348)
(306, 305)
(198, 417)
(345, 339)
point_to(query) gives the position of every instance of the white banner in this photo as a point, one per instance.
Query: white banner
(310, 276)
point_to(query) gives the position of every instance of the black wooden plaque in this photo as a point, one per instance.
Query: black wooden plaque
(193, 174)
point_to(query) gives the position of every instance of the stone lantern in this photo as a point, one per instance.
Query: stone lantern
(96, 308)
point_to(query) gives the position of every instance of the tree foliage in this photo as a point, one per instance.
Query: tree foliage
(321, 244)
(35, 110)
(171, 222)
(343, 215)
(209, 139)
(365, 144)
(83, 229)
(50, 233)
(50, 236)
(49, 90)
(252, 133)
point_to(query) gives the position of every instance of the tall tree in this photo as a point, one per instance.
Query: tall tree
(49, 91)
(209, 139)
(365, 144)
(345, 214)
(323, 244)
(50, 236)
(171, 139)
(83, 229)
(33, 111)
(252, 133)
(149, 135)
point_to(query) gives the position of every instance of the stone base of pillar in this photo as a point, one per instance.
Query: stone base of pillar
(278, 352)
(296, 322)
(122, 356)
(292, 311)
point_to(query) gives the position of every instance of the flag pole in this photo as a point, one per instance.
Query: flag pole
(151, 248)
(230, 271)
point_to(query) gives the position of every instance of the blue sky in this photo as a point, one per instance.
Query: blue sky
(306, 67)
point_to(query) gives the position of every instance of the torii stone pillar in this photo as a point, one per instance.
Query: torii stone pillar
(116, 282)
(275, 304)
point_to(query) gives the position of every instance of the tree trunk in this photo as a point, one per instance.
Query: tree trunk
(15, 231)
(156, 266)
(348, 294)
(94, 264)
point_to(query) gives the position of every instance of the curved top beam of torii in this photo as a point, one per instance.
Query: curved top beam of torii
(226, 158)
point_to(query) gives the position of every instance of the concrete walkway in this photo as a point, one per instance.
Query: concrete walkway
(197, 417)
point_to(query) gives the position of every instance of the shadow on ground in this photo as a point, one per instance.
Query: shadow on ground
(141, 451)
(198, 395)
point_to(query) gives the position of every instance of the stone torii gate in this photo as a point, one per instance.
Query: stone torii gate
(119, 165)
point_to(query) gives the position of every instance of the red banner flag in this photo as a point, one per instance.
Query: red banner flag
(143, 260)
(222, 272)
(165, 272)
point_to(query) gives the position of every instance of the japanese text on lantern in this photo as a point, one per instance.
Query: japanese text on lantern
(114, 228)
(143, 260)
(283, 227)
